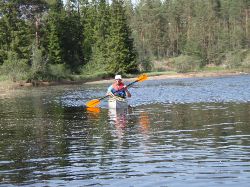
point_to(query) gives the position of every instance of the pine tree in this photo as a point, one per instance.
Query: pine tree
(71, 37)
(121, 56)
(5, 35)
(100, 34)
(52, 42)
(88, 19)
(15, 31)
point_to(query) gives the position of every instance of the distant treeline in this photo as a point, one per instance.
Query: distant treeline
(195, 33)
(46, 39)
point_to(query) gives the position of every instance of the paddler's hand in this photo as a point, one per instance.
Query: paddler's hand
(127, 92)
(110, 94)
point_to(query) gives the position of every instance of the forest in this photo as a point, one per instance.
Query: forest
(79, 39)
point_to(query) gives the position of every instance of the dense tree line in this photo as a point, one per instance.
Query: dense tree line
(200, 31)
(46, 39)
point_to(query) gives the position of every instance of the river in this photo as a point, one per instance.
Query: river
(177, 132)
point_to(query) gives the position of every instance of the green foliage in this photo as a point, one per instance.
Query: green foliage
(146, 65)
(38, 65)
(58, 72)
(112, 48)
(236, 59)
(3, 56)
(99, 53)
(55, 5)
(15, 68)
(54, 42)
(15, 33)
(88, 21)
(3, 77)
(103, 38)
(121, 55)
(93, 69)
(184, 63)
(171, 28)
(246, 61)
(95, 75)
(71, 41)
(213, 68)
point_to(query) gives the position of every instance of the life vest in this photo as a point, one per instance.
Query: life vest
(118, 90)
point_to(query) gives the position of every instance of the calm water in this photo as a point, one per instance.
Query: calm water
(178, 132)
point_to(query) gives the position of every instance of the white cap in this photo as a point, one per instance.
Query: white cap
(118, 77)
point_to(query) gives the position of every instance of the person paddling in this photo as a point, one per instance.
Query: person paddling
(118, 88)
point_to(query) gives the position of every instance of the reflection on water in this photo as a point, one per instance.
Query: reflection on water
(52, 140)
(144, 122)
(119, 117)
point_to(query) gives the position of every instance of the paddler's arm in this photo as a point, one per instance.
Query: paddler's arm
(109, 92)
(128, 94)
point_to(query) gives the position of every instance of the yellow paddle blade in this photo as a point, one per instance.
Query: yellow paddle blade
(93, 103)
(93, 109)
(142, 77)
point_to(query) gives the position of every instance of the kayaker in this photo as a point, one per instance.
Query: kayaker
(118, 88)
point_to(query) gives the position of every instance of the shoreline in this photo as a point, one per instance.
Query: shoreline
(175, 76)
(8, 87)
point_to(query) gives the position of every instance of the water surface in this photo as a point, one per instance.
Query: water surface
(192, 132)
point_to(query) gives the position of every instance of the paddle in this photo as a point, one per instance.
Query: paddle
(96, 102)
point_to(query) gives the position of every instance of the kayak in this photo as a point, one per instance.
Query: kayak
(117, 102)
(95, 102)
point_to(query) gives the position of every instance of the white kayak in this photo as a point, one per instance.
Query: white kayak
(117, 102)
